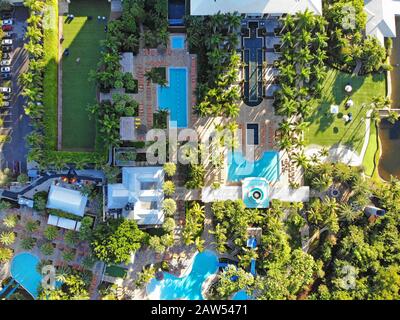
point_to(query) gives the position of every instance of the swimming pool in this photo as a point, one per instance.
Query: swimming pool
(267, 167)
(188, 287)
(177, 42)
(174, 97)
(23, 270)
(241, 295)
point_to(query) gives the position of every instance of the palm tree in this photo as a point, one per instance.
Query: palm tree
(7, 238)
(10, 221)
(248, 255)
(347, 213)
(301, 160)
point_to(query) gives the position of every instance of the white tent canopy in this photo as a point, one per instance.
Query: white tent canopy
(67, 200)
(210, 7)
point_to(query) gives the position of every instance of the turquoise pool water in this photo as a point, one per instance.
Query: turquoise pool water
(241, 295)
(174, 97)
(255, 192)
(177, 42)
(266, 167)
(23, 270)
(189, 286)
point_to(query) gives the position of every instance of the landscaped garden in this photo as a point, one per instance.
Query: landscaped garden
(82, 36)
(326, 128)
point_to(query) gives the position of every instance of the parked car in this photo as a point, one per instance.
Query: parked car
(6, 62)
(7, 28)
(6, 104)
(6, 48)
(6, 76)
(8, 22)
(5, 90)
(5, 69)
(7, 34)
(6, 96)
(5, 55)
(7, 42)
(6, 15)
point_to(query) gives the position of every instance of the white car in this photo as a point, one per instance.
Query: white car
(7, 42)
(5, 69)
(7, 34)
(5, 90)
(8, 22)
(5, 62)
(6, 104)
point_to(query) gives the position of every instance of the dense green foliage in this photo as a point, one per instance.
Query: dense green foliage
(218, 92)
(347, 43)
(115, 240)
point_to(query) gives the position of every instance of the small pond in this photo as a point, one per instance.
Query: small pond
(389, 163)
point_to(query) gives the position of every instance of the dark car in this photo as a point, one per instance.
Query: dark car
(6, 15)
(6, 76)
(7, 27)
(6, 49)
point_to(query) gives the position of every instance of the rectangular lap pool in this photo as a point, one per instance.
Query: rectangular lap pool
(174, 97)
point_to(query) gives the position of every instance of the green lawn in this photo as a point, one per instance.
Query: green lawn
(116, 271)
(327, 129)
(82, 37)
(50, 80)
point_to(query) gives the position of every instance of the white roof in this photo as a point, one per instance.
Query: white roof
(210, 7)
(63, 223)
(140, 186)
(381, 18)
(67, 200)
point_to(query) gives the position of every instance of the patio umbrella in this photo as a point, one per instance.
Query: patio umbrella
(348, 88)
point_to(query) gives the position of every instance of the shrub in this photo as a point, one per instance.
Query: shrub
(71, 237)
(169, 207)
(68, 255)
(169, 225)
(47, 249)
(50, 233)
(40, 201)
(22, 178)
(168, 188)
(10, 221)
(145, 276)
(27, 243)
(5, 254)
(7, 238)
(31, 226)
(170, 169)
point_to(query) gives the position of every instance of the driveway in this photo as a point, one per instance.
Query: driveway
(16, 123)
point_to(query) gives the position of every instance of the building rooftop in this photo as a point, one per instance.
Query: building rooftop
(67, 200)
(381, 18)
(210, 7)
(139, 195)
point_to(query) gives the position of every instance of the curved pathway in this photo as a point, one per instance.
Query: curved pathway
(343, 153)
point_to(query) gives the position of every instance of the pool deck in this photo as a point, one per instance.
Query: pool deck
(147, 59)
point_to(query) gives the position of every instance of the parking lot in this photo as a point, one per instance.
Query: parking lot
(16, 123)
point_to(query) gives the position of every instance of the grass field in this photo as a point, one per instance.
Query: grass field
(82, 36)
(50, 80)
(327, 129)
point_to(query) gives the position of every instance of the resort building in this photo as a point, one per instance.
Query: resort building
(254, 7)
(139, 196)
(381, 21)
(67, 201)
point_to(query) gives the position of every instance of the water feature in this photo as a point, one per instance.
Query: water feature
(389, 163)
